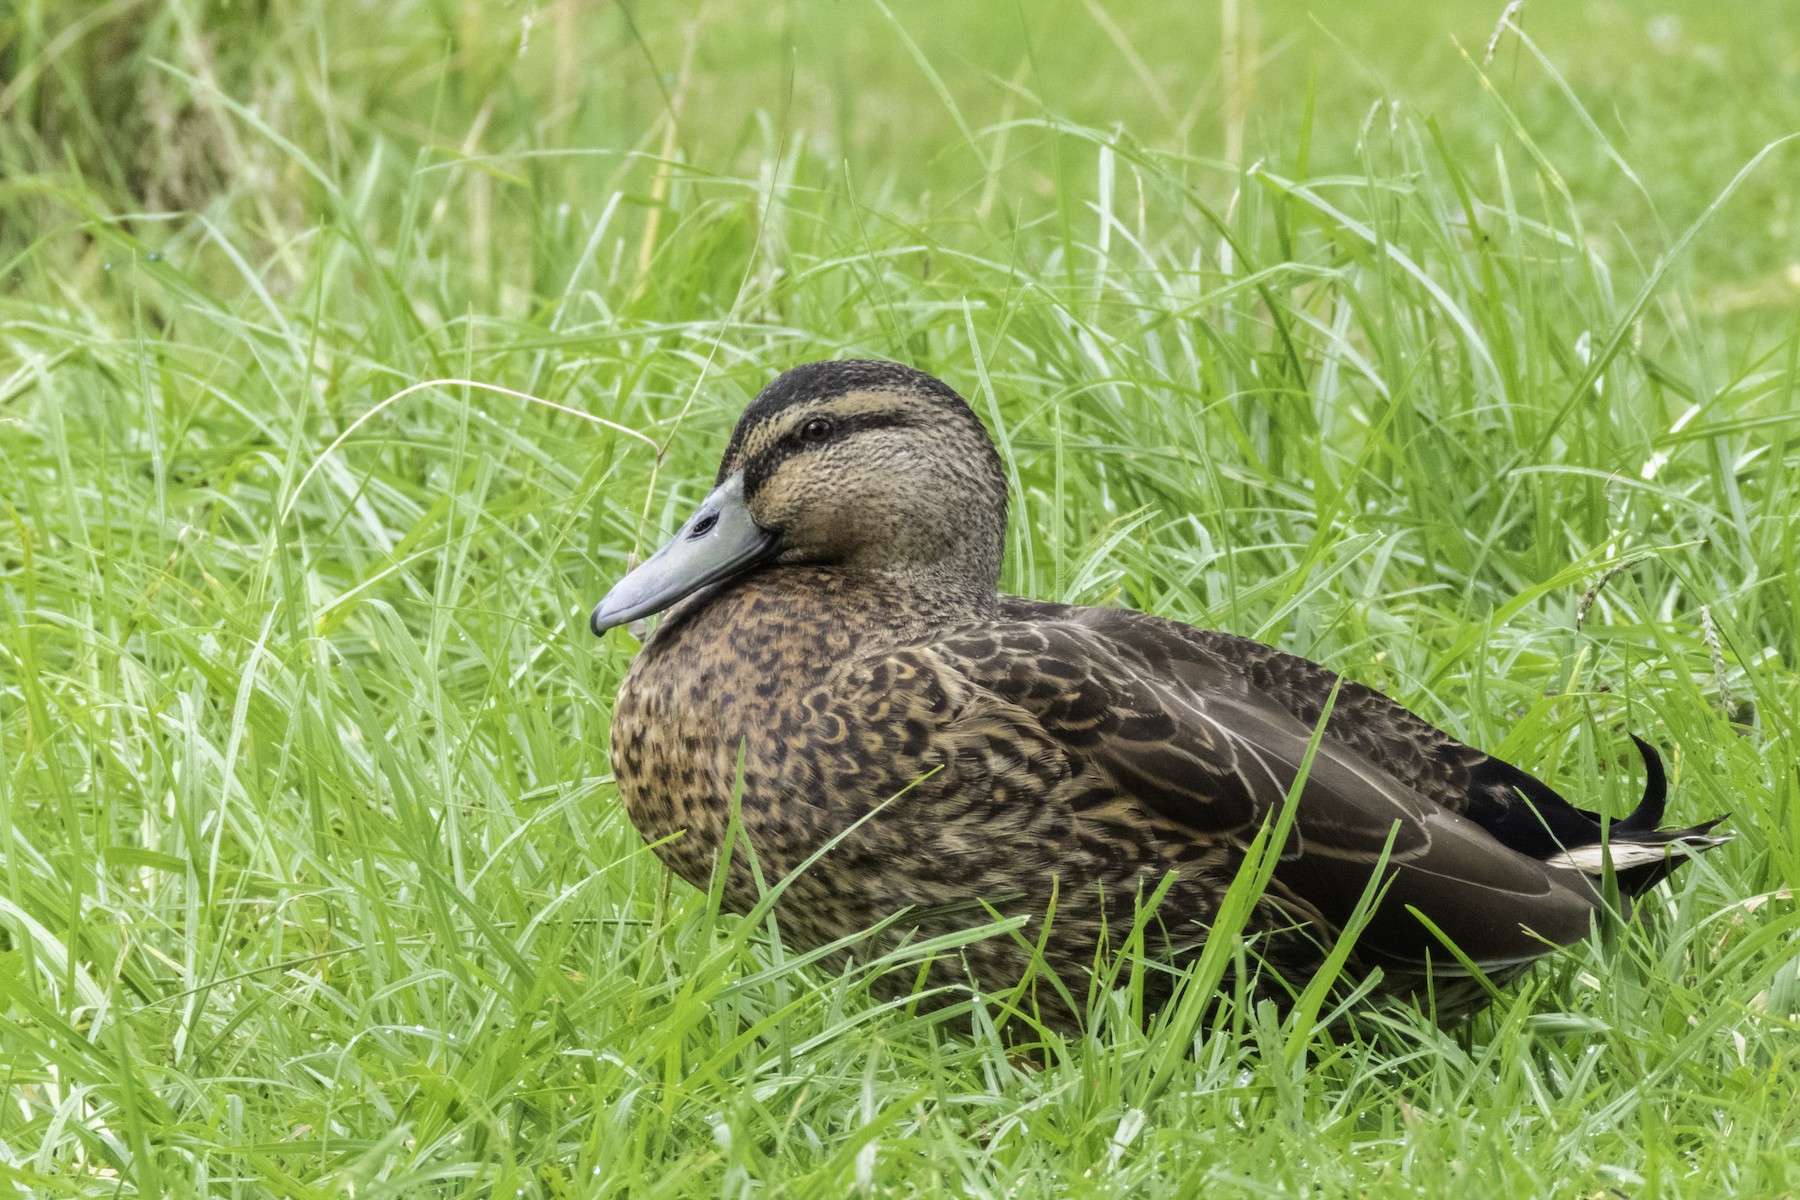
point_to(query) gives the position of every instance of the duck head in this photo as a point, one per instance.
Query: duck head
(869, 467)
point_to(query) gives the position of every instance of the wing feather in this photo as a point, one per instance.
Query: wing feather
(1189, 736)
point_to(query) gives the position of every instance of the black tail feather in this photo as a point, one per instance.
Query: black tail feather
(1640, 828)
(1527, 815)
(1635, 881)
(1649, 812)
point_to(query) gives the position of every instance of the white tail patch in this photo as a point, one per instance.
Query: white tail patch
(1591, 860)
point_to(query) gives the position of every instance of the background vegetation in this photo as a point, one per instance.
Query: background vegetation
(1469, 369)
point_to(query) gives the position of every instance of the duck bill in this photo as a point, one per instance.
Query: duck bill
(718, 541)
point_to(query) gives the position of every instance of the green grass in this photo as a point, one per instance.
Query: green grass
(1476, 380)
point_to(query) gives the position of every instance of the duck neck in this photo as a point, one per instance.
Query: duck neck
(890, 606)
(919, 599)
(935, 571)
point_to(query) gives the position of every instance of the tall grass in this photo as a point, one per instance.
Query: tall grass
(1479, 386)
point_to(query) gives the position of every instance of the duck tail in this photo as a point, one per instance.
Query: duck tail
(1649, 812)
(1640, 854)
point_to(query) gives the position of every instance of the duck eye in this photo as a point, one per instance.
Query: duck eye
(816, 430)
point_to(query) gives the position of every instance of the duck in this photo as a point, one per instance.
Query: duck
(837, 680)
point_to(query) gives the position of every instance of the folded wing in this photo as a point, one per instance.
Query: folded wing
(1187, 734)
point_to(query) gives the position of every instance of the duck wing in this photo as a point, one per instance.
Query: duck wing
(1516, 807)
(1186, 733)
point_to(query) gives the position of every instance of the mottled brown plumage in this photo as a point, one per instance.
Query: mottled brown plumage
(847, 638)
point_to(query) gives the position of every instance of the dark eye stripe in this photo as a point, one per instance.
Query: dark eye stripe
(763, 465)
